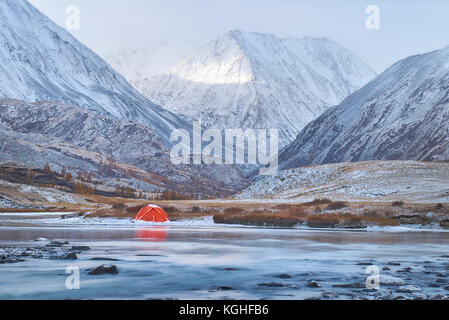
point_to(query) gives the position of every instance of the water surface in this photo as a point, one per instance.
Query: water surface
(201, 260)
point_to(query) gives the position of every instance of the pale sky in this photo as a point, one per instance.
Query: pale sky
(407, 27)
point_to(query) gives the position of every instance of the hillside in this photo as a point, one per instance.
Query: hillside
(383, 181)
(403, 114)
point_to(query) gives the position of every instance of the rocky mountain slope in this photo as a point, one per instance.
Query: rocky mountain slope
(250, 80)
(85, 141)
(402, 114)
(40, 61)
(362, 181)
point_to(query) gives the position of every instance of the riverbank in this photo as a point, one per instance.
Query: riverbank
(319, 213)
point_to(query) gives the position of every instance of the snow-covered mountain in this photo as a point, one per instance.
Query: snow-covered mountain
(85, 141)
(137, 65)
(42, 61)
(402, 114)
(250, 80)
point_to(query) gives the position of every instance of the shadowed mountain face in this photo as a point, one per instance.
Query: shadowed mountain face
(85, 141)
(402, 114)
(250, 80)
(40, 61)
(95, 118)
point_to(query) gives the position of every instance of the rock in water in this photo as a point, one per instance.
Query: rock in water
(391, 281)
(80, 248)
(408, 289)
(56, 243)
(224, 288)
(313, 284)
(64, 256)
(104, 269)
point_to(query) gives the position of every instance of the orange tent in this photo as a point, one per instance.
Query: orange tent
(152, 213)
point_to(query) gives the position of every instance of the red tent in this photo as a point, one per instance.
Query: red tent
(152, 213)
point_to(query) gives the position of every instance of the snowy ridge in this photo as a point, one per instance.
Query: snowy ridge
(250, 80)
(403, 114)
(371, 181)
(42, 61)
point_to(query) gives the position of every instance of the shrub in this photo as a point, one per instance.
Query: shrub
(257, 218)
(195, 210)
(170, 209)
(119, 206)
(338, 205)
(317, 202)
(134, 209)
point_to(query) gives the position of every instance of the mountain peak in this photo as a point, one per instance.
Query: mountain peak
(255, 80)
(42, 61)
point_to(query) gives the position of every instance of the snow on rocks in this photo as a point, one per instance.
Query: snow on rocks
(19, 254)
(373, 180)
(391, 281)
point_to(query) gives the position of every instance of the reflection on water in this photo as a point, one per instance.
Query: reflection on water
(152, 233)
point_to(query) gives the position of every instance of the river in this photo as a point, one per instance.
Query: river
(200, 260)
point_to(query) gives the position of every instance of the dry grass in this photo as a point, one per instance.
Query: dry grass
(233, 210)
(318, 202)
(319, 212)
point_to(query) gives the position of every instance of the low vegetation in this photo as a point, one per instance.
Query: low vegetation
(320, 213)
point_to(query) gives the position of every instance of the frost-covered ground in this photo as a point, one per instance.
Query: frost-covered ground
(13, 195)
(60, 220)
(411, 181)
(64, 219)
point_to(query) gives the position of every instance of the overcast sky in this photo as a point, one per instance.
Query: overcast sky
(406, 26)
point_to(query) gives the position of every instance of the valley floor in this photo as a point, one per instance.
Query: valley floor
(347, 195)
